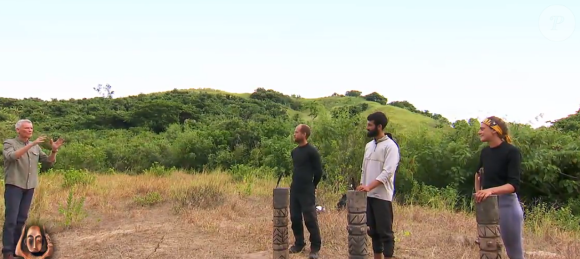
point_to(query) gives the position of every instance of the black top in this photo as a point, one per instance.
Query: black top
(307, 167)
(501, 165)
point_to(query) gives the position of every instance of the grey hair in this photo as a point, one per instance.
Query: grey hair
(19, 123)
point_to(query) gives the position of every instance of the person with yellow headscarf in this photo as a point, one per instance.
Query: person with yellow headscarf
(498, 173)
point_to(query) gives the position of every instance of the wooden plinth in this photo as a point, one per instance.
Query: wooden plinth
(281, 201)
(487, 218)
(356, 203)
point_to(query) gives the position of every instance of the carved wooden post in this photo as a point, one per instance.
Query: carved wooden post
(356, 202)
(280, 234)
(487, 217)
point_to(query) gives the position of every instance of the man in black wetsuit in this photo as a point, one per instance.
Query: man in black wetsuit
(305, 178)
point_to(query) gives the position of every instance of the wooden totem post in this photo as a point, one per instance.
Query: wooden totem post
(356, 202)
(280, 234)
(487, 217)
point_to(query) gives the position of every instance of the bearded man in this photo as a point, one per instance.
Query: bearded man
(381, 159)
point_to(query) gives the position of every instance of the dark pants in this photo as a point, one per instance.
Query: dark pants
(17, 202)
(380, 222)
(302, 203)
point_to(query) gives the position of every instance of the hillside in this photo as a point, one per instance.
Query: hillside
(205, 129)
(398, 115)
(248, 135)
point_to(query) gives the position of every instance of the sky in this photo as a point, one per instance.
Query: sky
(461, 59)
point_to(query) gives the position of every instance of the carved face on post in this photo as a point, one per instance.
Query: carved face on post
(34, 242)
(34, 239)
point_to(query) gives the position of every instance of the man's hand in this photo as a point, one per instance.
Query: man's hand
(39, 140)
(363, 188)
(482, 195)
(56, 145)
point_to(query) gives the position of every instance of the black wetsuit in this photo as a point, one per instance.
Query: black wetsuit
(305, 178)
(502, 164)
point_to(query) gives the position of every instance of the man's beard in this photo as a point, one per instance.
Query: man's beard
(372, 133)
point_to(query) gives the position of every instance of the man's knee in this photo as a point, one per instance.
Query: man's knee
(389, 238)
(23, 215)
(11, 214)
(9, 224)
(310, 217)
(310, 223)
(21, 219)
(310, 214)
(296, 217)
(372, 233)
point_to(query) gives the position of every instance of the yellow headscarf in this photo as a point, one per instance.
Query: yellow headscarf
(492, 124)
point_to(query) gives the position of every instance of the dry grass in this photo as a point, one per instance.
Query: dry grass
(211, 216)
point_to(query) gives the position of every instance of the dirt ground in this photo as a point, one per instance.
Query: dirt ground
(213, 216)
(159, 233)
(151, 233)
(147, 233)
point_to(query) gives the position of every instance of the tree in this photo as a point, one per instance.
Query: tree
(571, 123)
(353, 93)
(376, 97)
(105, 92)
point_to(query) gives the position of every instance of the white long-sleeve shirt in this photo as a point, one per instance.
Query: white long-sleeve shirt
(380, 161)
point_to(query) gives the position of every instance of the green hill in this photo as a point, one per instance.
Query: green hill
(400, 116)
(249, 136)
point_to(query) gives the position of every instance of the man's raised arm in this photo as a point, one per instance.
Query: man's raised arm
(11, 154)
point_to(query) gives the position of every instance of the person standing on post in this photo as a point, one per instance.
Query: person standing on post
(381, 159)
(305, 178)
(21, 159)
(498, 173)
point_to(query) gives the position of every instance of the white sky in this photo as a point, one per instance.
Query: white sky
(460, 59)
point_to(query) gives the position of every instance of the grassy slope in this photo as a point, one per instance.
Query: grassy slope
(402, 118)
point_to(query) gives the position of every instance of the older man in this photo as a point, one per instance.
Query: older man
(21, 159)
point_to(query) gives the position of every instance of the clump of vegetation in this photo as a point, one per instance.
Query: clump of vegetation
(159, 170)
(209, 196)
(149, 199)
(75, 177)
(73, 210)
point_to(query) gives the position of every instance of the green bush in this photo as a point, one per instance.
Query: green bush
(76, 177)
